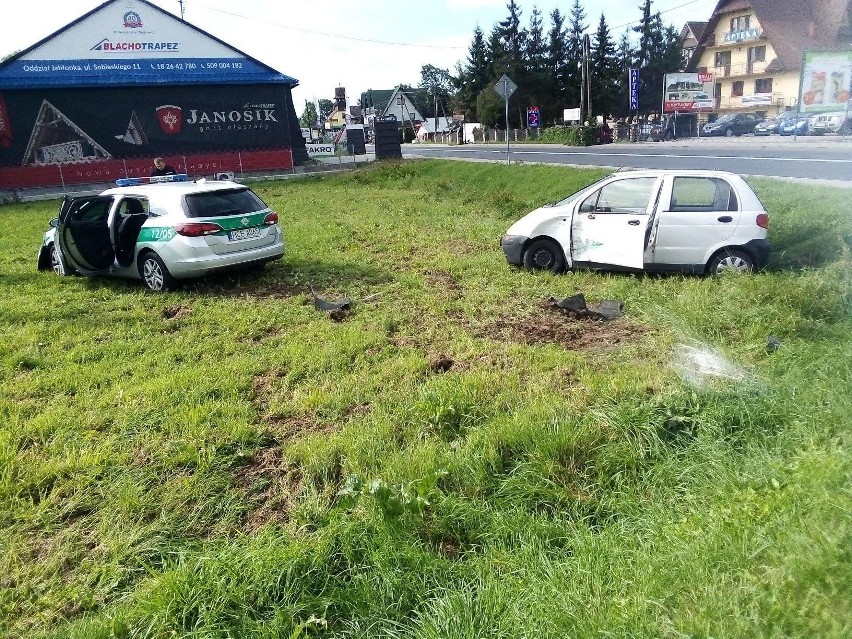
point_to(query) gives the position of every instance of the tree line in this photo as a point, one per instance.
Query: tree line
(544, 61)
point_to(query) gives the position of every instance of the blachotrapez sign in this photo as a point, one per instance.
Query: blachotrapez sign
(133, 41)
(131, 81)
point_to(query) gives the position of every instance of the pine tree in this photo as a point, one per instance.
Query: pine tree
(605, 70)
(471, 79)
(513, 41)
(557, 55)
(535, 54)
(576, 29)
(537, 81)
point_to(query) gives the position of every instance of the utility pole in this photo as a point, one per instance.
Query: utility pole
(180, 2)
(435, 138)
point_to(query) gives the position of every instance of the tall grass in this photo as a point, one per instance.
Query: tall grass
(225, 461)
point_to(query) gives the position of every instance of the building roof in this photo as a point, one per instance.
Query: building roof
(791, 27)
(376, 99)
(133, 42)
(697, 29)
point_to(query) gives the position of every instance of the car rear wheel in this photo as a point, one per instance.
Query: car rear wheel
(544, 255)
(154, 273)
(730, 261)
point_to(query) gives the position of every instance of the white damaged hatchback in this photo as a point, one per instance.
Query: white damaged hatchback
(162, 232)
(659, 221)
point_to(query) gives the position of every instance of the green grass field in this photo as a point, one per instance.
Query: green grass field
(452, 459)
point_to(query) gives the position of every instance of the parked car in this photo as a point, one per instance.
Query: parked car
(795, 126)
(701, 222)
(162, 232)
(834, 122)
(731, 124)
(771, 125)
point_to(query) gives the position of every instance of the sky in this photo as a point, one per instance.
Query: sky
(368, 44)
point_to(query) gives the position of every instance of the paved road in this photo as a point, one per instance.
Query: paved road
(808, 158)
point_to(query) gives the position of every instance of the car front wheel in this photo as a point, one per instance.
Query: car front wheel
(544, 255)
(729, 133)
(154, 273)
(730, 261)
(56, 260)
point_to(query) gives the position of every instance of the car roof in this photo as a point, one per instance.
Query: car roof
(675, 172)
(174, 189)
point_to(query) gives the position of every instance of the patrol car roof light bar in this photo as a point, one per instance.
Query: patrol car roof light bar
(156, 179)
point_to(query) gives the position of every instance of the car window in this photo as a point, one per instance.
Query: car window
(94, 210)
(132, 206)
(223, 203)
(631, 195)
(702, 194)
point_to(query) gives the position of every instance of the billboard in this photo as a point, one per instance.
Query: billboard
(57, 126)
(826, 81)
(133, 42)
(688, 92)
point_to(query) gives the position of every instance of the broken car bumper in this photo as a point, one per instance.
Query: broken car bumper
(513, 247)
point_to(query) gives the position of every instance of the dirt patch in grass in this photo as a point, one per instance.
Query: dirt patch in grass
(271, 487)
(176, 312)
(444, 282)
(550, 325)
(440, 363)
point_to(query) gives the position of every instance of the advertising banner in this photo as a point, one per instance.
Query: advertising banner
(533, 117)
(634, 89)
(826, 81)
(318, 150)
(80, 125)
(688, 92)
(133, 42)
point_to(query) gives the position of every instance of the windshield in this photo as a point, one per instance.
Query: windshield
(575, 193)
(724, 118)
(223, 203)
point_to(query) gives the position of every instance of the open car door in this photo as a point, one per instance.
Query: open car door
(83, 234)
(609, 226)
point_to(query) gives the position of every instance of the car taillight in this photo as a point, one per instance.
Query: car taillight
(271, 218)
(197, 229)
(762, 220)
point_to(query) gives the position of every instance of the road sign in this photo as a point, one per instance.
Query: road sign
(634, 89)
(533, 119)
(505, 87)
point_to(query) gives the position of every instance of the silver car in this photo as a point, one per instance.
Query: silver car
(682, 221)
(162, 232)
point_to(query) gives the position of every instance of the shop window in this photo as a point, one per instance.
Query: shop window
(740, 23)
(757, 54)
(723, 58)
(764, 85)
(737, 89)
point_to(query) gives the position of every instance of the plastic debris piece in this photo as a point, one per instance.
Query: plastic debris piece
(772, 344)
(577, 308)
(343, 304)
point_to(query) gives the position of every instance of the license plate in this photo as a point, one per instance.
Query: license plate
(244, 234)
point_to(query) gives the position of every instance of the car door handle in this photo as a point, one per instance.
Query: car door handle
(725, 218)
(591, 217)
(633, 222)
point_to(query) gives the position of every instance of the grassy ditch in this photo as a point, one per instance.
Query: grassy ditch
(449, 459)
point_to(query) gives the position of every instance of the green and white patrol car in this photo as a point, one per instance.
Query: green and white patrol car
(161, 231)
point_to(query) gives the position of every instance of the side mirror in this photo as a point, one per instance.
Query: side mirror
(54, 222)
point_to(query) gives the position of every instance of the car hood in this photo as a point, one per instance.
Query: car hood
(531, 220)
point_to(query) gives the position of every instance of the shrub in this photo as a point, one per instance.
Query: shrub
(570, 135)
